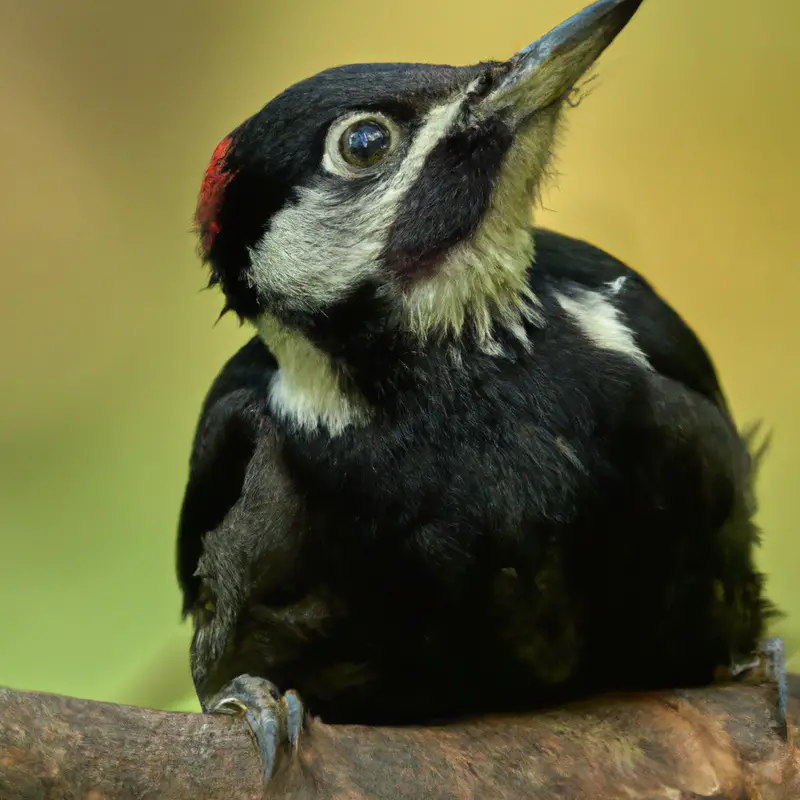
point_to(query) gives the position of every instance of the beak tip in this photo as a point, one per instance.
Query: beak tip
(602, 20)
(548, 67)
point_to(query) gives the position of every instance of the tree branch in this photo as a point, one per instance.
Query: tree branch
(719, 742)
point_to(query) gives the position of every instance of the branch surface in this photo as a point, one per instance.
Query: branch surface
(718, 742)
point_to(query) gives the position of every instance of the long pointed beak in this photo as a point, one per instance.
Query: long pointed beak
(546, 70)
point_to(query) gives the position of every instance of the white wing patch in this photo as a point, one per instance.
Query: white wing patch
(601, 321)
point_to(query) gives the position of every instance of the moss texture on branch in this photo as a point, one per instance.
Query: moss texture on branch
(716, 742)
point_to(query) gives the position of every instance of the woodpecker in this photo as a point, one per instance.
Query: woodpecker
(465, 464)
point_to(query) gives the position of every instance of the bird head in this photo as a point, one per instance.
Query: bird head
(409, 186)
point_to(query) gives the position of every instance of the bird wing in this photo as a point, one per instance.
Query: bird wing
(231, 424)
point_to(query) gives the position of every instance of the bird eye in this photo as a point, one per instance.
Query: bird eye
(359, 141)
(365, 143)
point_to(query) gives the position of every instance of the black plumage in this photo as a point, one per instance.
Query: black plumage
(467, 464)
(559, 516)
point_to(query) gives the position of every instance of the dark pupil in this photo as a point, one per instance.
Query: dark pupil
(365, 142)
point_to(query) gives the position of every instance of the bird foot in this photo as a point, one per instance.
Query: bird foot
(770, 660)
(275, 719)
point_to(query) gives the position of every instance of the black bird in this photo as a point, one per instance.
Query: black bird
(466, 465)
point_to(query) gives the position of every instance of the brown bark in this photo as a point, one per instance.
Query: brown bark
(719, 742)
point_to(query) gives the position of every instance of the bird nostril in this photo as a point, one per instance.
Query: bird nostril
(480, 89)
(481, 86)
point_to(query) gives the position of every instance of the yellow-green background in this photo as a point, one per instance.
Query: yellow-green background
(684, 161)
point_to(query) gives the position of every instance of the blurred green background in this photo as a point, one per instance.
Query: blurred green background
(683, 161)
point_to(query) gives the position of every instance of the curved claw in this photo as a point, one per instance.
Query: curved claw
(775, 657)
(772, 655)
(295, 714)
(273, 718)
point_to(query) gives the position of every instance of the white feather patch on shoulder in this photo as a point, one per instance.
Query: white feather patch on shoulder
(601, 321)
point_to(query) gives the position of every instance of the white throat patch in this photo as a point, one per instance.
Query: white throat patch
(305, 391)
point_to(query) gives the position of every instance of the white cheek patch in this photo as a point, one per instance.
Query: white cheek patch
(316, 251)
(321, 247)
(601, 321)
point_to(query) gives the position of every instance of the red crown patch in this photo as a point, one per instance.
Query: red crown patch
(212, 191)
